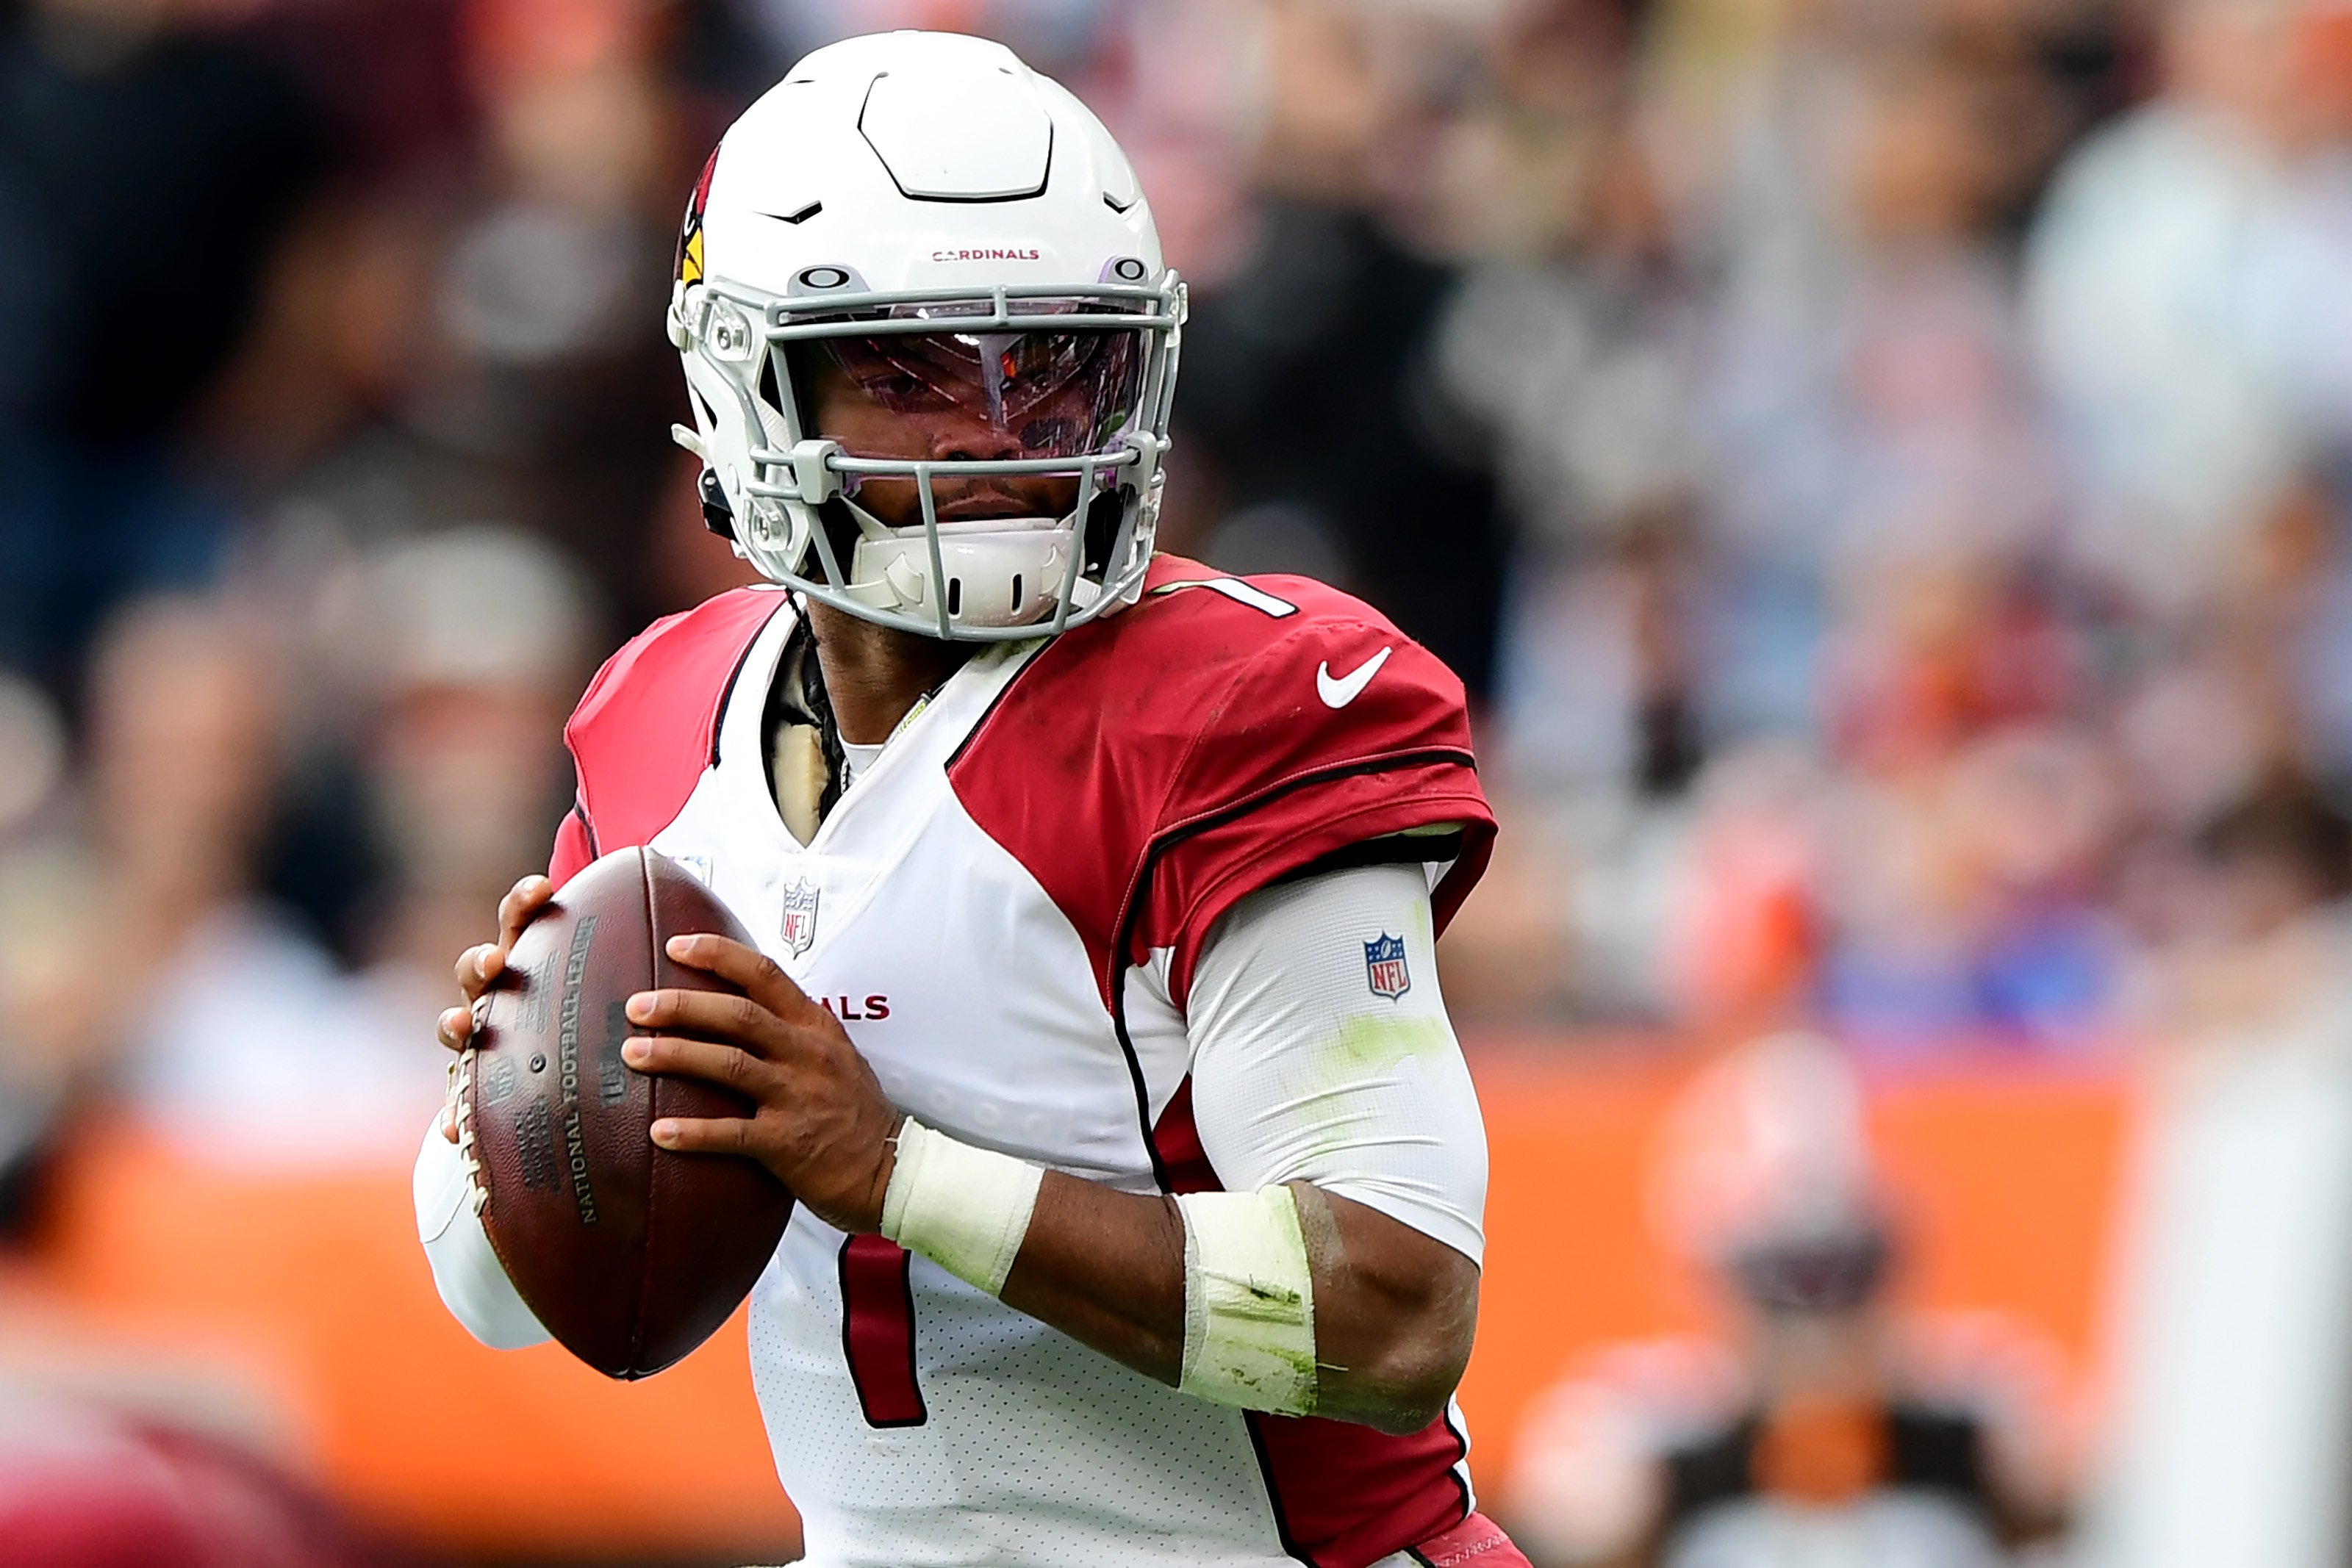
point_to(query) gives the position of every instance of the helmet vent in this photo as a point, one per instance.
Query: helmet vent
(1016, 591)
(803, 215)
(955, 596)
(1116, 206)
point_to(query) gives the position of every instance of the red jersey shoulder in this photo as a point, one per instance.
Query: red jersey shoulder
(648, 727)
(1213, 687)
(1287, 677)
(1152, 766)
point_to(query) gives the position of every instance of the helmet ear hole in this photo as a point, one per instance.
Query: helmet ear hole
(718, 515)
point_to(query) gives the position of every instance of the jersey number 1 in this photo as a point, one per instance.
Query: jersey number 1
(877, 1330)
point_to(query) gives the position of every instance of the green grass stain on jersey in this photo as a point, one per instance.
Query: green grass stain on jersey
(1371, 1041)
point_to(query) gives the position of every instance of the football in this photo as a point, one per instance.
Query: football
(630, 1255)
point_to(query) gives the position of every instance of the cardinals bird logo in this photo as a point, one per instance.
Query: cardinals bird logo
(689, 234)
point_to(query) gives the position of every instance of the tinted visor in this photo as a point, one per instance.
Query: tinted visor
(1057, 394)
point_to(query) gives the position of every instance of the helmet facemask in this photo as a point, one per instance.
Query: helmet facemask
(979, 468)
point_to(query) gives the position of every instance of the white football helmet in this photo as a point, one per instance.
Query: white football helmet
(923, 215)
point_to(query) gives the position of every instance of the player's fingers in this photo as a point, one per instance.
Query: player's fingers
(728, 1066)
(455, 1027)
(477, 966)
(759, 976)
(520, 906)
(704, 1136)
(714, 1015)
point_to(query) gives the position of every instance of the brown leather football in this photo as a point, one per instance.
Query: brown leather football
(629, 1254)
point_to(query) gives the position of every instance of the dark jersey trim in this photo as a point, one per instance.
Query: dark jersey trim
(1461, 1457)
(980, 725)
(1135, 1074)
(726, 692)
(1388, 849)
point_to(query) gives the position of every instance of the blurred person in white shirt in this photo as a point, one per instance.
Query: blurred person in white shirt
(2230, 1433)
(224, 1019)
(463, 651)
(2185, 283)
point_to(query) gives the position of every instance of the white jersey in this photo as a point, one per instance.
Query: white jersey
(1007, 911)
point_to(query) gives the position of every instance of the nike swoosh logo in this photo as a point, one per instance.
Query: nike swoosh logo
(1339, 691)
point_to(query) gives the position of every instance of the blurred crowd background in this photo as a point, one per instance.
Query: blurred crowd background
(1880, 466)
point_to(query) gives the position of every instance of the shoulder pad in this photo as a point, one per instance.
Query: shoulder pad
(647, 727)
(1152, 767)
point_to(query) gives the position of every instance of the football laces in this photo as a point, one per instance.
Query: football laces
(461, 1085)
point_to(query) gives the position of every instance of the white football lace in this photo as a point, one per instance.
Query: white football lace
(464, 1069)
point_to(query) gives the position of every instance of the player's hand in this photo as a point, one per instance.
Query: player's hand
(821, 1123)
(477, 966)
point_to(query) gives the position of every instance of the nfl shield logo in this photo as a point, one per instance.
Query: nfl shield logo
(1384, 967)
(800, 916)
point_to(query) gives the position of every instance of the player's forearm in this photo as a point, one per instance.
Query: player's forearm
(1392, 1310)
(1107, 1269)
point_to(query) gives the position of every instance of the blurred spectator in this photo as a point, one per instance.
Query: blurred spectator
(1310, 398)
(1788, 486)
(470, 340)
(148, 164)
(1830, 1427)
(55, 1027)
(32, 754)
(217, 1016)
(2186, 297)
(2230, 1431)
(467, 649)
(231, 1026)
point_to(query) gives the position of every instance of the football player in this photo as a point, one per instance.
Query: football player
(1096, 1025)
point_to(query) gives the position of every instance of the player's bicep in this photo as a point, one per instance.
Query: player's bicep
(1321, 1052)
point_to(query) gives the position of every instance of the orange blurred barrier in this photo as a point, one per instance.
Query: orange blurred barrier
(316, 1289)
(317, 1286)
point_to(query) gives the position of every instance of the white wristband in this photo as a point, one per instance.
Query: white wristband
(966, 1209)
(1249, 1301)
